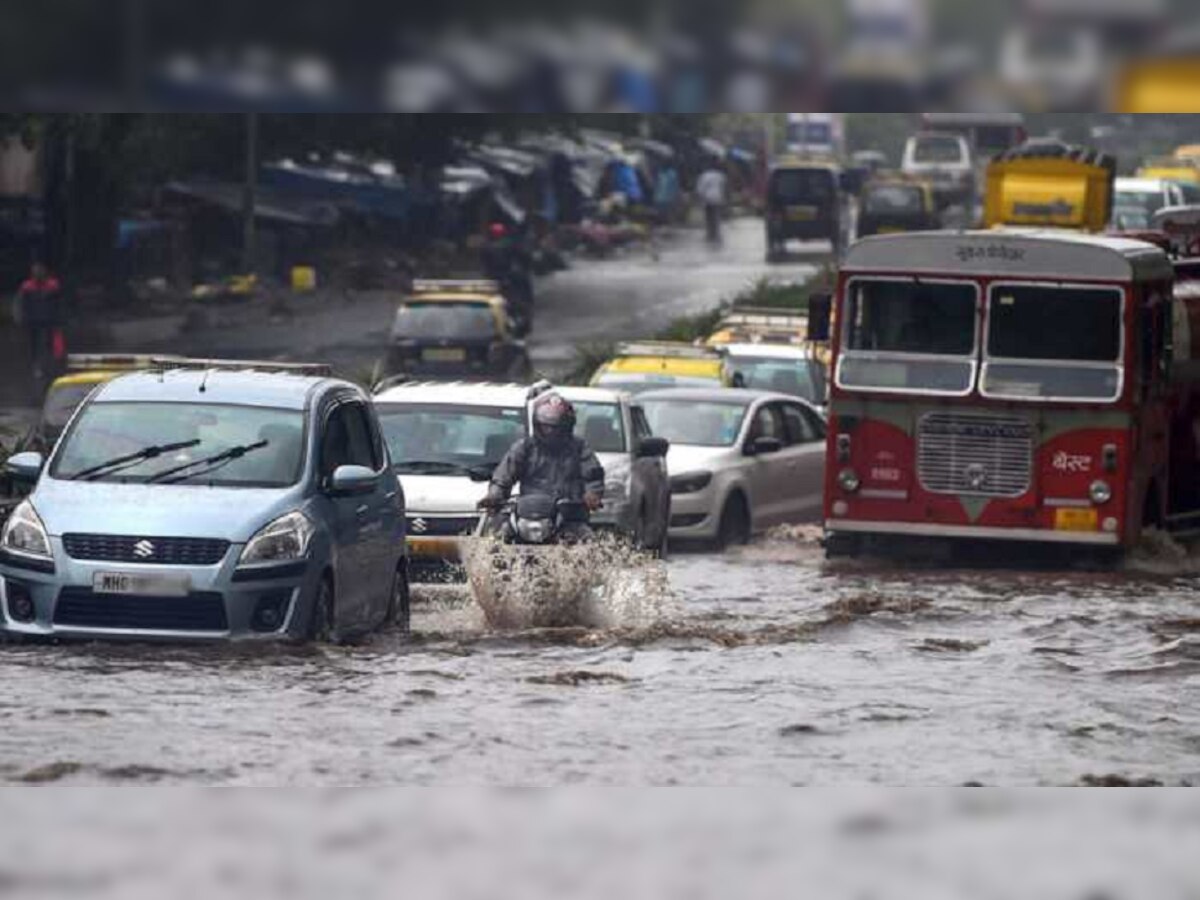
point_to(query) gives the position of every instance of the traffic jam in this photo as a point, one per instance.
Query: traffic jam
(1026, 383)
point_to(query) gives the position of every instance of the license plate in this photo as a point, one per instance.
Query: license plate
(802, 213)
(455, 354)
(1075, 519)
(142, 584)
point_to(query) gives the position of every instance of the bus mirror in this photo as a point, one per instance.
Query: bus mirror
(820, 307)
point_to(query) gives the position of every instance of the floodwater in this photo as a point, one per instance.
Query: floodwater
(763, 666)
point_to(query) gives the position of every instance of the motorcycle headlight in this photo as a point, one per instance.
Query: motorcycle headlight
(284, 540)
(690, 483)
(534, 531)
(25, 535)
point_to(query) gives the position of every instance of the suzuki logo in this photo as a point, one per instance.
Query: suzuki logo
(420, 526)
(143, 549)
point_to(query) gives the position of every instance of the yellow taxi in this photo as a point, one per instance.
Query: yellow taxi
(652, 365)
(754, 325)
(1180, 169)
(454, 329)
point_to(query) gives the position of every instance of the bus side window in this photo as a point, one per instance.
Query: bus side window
(1154, 343)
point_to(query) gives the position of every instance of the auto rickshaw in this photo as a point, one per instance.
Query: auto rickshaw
(890, 206)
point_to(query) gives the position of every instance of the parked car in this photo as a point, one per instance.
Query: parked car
(454, 329)
(207, 501)
(944, 160)
(651, 365)
(637, 493)
(740, 461)
(445, 441)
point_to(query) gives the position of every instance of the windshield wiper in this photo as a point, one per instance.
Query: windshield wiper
(129, 460)
(208, 464)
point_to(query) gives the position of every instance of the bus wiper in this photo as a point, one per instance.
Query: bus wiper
(129, 460)
(208, 464)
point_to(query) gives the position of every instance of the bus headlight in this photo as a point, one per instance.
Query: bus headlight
(1100, 492)
(849, 481)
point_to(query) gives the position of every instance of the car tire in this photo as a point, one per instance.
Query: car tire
(399, 610)
(321, 626)
(734, 529)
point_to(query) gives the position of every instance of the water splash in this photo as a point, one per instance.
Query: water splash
(604, 583)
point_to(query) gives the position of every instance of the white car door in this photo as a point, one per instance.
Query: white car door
(805, 458)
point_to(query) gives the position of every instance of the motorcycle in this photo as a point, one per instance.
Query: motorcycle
(536, 520)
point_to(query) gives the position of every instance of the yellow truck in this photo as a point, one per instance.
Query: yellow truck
(1050, 184)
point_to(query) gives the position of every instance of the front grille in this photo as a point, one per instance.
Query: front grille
(443, 526)
(973, 453)
(157, 550)
(83, 608)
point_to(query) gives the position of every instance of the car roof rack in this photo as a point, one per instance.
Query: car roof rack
(323, 370)
(674, 349)
(84, 362)
(765, 316)
(450, 285)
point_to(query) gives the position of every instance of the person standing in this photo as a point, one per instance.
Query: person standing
(711, 188)
(36, 310)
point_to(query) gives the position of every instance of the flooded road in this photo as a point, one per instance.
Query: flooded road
(766, 665)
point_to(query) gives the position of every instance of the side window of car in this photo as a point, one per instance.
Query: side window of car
(335, 442)
(641, 428)
(815, 422)
(799, 430)
(768, 423)
(361, 441)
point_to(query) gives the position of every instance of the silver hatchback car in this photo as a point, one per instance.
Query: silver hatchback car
(209, 502)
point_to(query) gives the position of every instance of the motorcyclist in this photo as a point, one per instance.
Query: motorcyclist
(553, 462)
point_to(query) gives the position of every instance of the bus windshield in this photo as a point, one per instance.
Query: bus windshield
(909, 335)
(1053, 342)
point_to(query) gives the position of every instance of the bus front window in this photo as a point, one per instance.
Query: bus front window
(909, 336)
(1053, 342)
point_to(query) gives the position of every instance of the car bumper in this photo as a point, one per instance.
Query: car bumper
(694, 516)
(223, 602)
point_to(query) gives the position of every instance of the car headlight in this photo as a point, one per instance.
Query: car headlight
(1100, 492)
(24, 534)
(283, 540)
(849, 481)
(690, 483)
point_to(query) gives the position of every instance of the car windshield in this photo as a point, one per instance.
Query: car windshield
(797, 377)
(601, 425)
(893, 198)
(440, 439)
(701, 423)
(1131, 218)
(444, 321)
(938, 149)
(1053, 341)
(909, 336)
(106, 433)
(801, 186)
(61, 403)
(632, 383)
(1150, 201)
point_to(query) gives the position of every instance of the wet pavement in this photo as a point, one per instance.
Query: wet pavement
(763, 666)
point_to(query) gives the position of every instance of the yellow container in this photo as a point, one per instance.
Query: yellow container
(304, 278)
(1048, 191)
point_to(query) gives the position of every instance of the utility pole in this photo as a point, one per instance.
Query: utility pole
(249, 191)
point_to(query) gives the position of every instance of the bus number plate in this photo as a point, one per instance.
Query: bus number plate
(1071, 519)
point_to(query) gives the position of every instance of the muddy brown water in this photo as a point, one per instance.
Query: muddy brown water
(762, 666)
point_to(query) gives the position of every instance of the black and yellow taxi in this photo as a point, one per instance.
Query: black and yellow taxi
(894, 205)
(456, 329)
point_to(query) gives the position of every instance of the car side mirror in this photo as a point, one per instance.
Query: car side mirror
(25, 467)
(653, 448)
(351, 481)
(761, 446)
(820, 311)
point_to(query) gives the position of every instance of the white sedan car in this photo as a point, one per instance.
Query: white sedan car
(740, 461)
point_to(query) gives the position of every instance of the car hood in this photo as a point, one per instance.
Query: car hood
(232, 514)
(432, 494)
(685, 458)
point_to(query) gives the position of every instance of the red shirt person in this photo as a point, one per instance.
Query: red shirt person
(36, 309)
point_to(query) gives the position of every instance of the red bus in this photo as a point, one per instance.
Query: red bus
(1012, 386)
